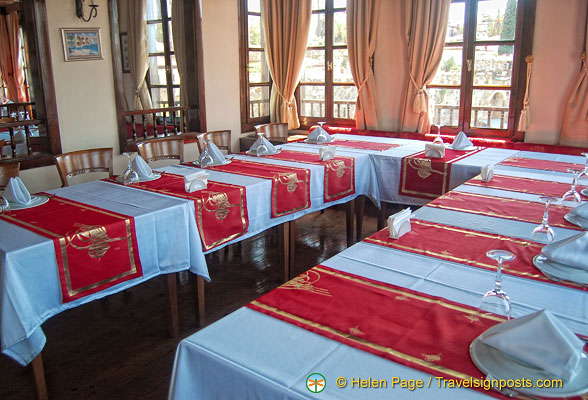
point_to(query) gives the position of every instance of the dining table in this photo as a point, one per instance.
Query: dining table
(386, 315)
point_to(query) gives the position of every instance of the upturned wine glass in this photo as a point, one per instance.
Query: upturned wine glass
(572, 194)
(543, 232)
(262, 149)
(206, 158)
(496, 300)
(130, 176)
(585, 172)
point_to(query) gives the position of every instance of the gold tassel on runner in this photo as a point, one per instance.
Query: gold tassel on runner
(525, 117)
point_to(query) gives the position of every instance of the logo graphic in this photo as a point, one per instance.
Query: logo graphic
(316, 383)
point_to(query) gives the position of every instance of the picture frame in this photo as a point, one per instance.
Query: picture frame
(81, 44)
(124, 50)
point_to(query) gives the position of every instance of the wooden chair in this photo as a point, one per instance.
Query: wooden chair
(83, 161)
(277, 132)
(7, 171)
(169, 148)
(222, 139)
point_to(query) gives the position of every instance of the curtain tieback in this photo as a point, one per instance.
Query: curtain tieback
(289, 103)
(583, 58)
(419, 105)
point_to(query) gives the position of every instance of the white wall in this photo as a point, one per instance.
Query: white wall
(84, 91)
(557, 44)
(220, 36)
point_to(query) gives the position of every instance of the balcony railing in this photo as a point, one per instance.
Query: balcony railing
(483, 116)
(341, 108)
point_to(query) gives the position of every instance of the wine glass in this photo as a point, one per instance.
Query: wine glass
(130, 176)
(262, 149)
(496, 300)
(585, 172)
(3, 204)
(206, 158)
(572, 194)
(543, 232)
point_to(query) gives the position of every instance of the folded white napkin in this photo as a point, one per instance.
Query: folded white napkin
(435, 150)
(327, 152)
(17, 192)
(487, 172)
(213, 151)
(399, 223)
(461, 141)
(581, 210)
(540, 340)
(141, 168)
(196, 181)
(271, 149)
(572, 251)
(313, 136)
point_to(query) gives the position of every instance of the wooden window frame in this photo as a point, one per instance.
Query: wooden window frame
(523, 43)
(305, 121)
(248, 123)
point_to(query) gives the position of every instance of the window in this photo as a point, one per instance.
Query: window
(326, 91)
(255, 75)
(163, 78)
(479, 85)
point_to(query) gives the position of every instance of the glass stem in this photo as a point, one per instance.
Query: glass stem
(498, 280)
(545, 220)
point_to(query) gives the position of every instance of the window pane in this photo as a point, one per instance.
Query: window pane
(255, 32)
(493, 65)
(496, 20)
(339, 3)
(312, 101)
(169, 12)
(318, 5)
(171, 36)
(253, 6)
(344, 101)
(174, 70)
(455, 23)
(258, 69)
(159, 97)
(153, 9)
(490, 108)
(313, 69)
(339, 28)
(444, 106)
(316, 34)
(341, 69)
(449, 72)
(157, 70)
(259, 101)
(155, 38)
(176, 97)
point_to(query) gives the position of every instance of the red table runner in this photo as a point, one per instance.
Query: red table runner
(423, 332)
(221, 208)
(501, 207)
(524, 185)
(466, 246)
(290, 186)
(339, 172)
(359, 144)
(94, 248)
(428, 178)
(545, 165)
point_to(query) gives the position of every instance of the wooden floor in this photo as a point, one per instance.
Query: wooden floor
(120, 348)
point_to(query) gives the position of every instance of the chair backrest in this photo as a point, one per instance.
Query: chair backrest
(276, 132)
(82, 162)
(169, 148)
(222, 139)
(7, 171)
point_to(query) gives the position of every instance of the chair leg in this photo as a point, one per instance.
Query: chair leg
(172, 304)
(39, 378)
(284, 239)
(350, 217)
(382, 216)
(200, 304)
(359, 211)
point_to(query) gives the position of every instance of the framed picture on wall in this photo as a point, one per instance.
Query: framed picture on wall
(81, 44)
(124, 50)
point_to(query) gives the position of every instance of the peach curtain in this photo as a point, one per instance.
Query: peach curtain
(426, 39)
(11, 66)
(574, 130)
(362, 24)
(178, 32)
(138, 53)
(286, 25)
